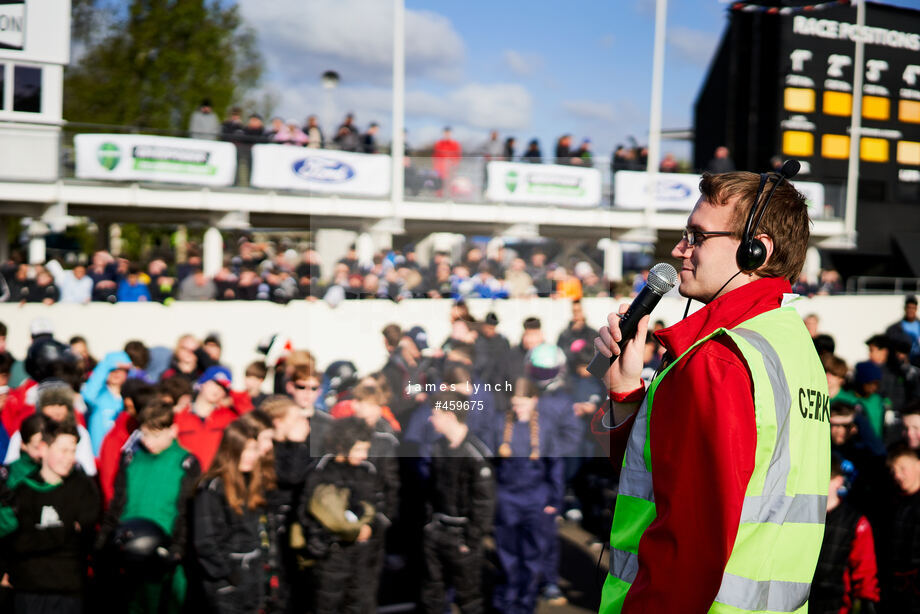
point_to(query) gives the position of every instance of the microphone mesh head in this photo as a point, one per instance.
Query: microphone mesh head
(662, 277)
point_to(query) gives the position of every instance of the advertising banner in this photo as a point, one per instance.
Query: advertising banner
(675, 191)
(287, 167)
(680, 191)
(516, 182)
(139, 157)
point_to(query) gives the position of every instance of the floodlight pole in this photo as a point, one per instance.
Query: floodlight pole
(654, 131)
(330, 80)
(397, 148)
(859, 65)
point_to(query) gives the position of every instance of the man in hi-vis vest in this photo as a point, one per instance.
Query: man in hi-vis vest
(726, 457)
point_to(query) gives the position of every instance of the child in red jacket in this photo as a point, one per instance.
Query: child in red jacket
(846, 566)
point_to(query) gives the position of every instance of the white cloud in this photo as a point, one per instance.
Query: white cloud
(503, 106)
(520, 64)
(605, 123)
(589, 110)
(694, 46)
(302, 39)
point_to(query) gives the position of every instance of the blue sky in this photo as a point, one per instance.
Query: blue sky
(527, 69)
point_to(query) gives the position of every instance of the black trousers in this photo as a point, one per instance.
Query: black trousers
(343, 580)
(448, 566)
(34, 603)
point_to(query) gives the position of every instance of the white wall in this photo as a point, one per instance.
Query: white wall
(29, 152)
(352, 330)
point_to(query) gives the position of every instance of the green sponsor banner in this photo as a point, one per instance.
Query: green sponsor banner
(554, 186)
(173, 166)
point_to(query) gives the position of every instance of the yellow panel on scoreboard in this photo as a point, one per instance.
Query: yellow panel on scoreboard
(909, 152)
(873, 150)
(838, 103)
(799, 99)
(876, 107)
(909, 111)
(835, 146)
(796, 143)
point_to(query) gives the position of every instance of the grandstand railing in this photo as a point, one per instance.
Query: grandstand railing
(868, 284)
(467, 181)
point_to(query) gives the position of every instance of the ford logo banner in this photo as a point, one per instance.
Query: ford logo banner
(326, 170)
(672, 191)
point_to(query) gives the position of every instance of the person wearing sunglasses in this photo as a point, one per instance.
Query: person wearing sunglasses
(303, 387)
(726, 458)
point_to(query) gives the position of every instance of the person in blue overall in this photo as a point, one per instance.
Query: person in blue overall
(530, 487)
(545, 366)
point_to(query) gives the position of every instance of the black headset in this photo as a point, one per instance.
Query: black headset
(752, 253)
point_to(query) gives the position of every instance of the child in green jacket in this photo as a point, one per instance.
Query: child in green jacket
(155, 483)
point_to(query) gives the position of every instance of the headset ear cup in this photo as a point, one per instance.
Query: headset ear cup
(751, 255)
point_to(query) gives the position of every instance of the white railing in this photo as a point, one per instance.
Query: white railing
(868, 284)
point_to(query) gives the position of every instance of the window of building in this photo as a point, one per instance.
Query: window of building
(27, 89)
(2, 84)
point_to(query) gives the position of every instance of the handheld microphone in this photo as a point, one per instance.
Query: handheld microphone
(661, 278)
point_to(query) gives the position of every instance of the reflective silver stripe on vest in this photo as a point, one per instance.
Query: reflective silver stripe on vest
(769, 595)
(635, 479)
(780, 508)
(635, 449)
(778, 471)
(636, 483)
(624, 565)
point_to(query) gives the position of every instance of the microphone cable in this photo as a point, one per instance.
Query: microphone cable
(714, 296)
(689, 300)
(597, 568)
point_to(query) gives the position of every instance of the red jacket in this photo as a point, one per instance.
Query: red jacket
(16, 408)
(860, 579)
(201, 436)
(703, 436)
(445, 156)
(346, 409)
(19, 406)
(110, 454)
(242, 402)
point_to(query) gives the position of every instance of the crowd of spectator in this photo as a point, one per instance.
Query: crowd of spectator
(870, 552)
(259, 519)
(204, 124)
(446, 153)
(257, 469)
(273, 272)
(151, 445)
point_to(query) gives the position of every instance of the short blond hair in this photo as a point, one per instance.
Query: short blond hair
(277, 406)
(370, 391)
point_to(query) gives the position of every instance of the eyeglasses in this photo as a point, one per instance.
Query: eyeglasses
(305, 387)
(695, 237)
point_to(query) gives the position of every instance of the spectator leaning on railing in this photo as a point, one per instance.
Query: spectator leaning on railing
(203, 123)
